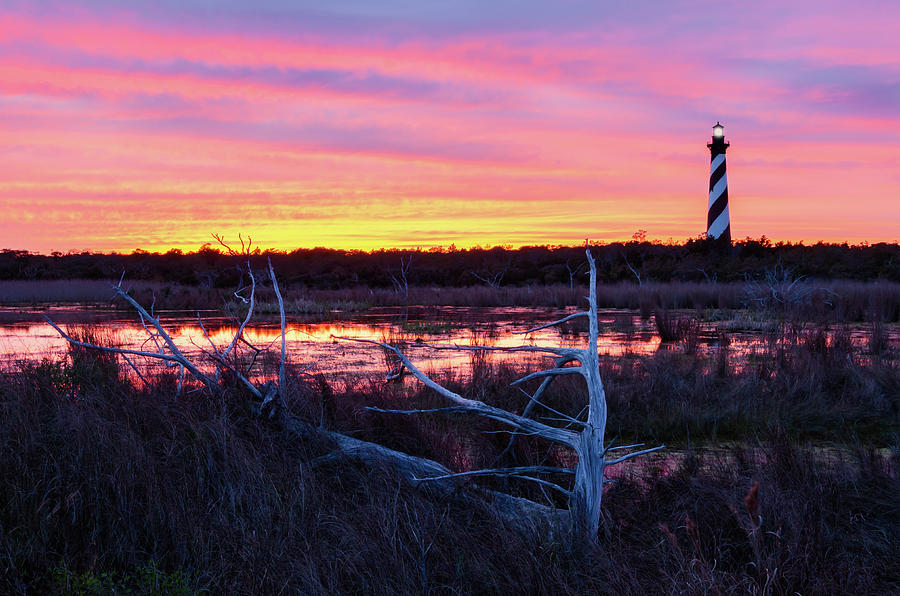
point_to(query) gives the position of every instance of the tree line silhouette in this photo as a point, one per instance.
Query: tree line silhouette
(638, 260)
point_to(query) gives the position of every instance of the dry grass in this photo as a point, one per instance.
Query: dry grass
(118, 477)
(850, 301)
(103, 479)
(119, 480)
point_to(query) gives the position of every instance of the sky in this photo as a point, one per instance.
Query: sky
(152, 124)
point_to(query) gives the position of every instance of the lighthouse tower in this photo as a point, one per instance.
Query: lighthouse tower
(718, 224)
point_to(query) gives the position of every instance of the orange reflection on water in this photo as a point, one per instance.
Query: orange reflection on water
(315, 343)
(24, 337)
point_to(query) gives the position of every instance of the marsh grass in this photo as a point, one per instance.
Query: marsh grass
(438, 327)
(121, 478)
(814, 386)
(834, 300)
(104, 478)
(54, 291)
(677, 327)
(100, 489)
(768, 518)
(99, 293)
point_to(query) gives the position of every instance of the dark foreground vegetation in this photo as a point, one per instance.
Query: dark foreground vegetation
(107, 486)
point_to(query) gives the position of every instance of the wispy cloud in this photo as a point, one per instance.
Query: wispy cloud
(363, 124)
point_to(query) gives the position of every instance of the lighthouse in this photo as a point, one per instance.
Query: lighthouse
(718, 224)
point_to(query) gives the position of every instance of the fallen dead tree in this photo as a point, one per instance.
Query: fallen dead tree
(268, 402)
(586, 439)
(594, 455)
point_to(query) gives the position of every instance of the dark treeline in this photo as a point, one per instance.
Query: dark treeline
(695, 260)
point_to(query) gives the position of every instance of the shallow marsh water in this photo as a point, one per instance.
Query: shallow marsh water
(26, 336)
(311, 344)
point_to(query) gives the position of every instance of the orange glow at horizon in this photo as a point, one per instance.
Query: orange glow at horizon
(121, 131)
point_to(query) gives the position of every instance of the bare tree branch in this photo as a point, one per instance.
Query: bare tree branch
(240, 331)
(173, 348)
(519, 472)
(493, 279)
(450, 410)
(619, 448)
(73, 341)
(217, 358)
(498, 414)
(570, 353)
(281, 379)
(635, 454)
(534, 400)
(401, 284)
(559, 322)
(551, 372)
(573, 272)
(506, 472)
(136, 370)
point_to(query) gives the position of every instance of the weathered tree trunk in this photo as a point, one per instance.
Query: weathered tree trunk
(587, 494)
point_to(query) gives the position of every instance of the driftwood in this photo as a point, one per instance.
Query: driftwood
(588, 442)
(523, 514)
(430, 475)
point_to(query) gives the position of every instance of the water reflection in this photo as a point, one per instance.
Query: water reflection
(24, 336)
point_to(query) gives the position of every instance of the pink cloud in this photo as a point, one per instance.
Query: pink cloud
(491, 137)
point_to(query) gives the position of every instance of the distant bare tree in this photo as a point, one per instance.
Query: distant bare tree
(573, 272)
(634, 271)
(713, 279)
(780, 288)
(638, 238)
(401, 280)
(492, 279)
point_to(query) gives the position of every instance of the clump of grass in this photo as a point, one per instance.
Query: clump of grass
(878, 338)
(147, 580)
(426, 327)
(83, 369)
(676, 327)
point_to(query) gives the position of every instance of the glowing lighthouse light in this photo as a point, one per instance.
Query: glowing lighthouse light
(718, 224)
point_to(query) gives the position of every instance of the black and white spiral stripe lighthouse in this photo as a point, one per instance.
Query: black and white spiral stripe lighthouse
(718, 224)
